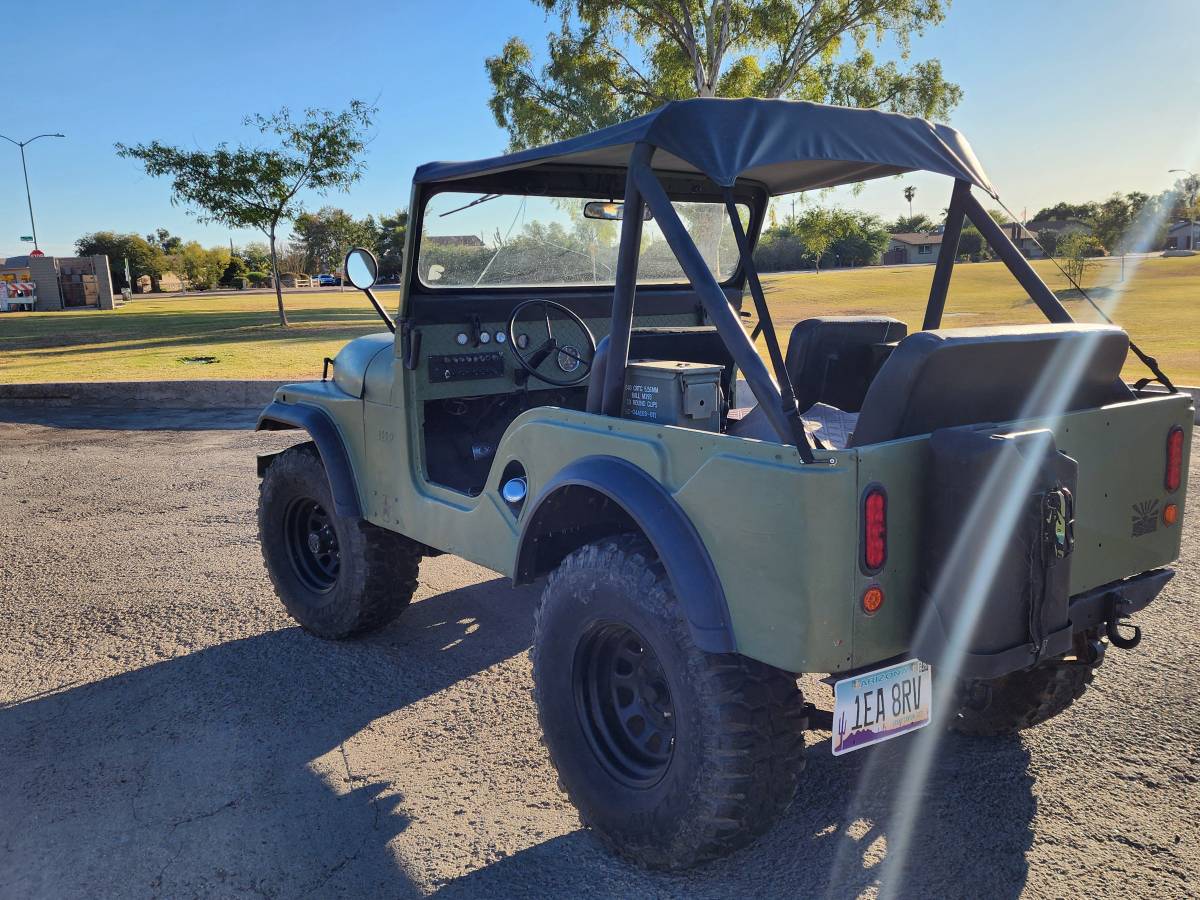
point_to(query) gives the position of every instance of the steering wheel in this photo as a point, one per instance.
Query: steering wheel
(570, 359)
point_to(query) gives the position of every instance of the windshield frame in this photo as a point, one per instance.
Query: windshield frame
(581, 183)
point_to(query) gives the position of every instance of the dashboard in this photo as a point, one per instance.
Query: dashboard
(475, 358)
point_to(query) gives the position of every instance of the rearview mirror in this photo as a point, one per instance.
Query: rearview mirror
(609, 211)
(361, 268)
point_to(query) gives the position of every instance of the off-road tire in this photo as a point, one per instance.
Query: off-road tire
(377, 571)
(1023, 699)
(739, 725)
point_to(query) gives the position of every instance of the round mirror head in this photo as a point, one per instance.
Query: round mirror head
(361, 268)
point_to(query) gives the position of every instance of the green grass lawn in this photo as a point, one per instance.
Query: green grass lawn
(152, 339)
(160, 339)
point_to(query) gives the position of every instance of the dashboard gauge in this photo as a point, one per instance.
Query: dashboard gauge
(461, 339)
(522, 341)
(501, 337)
(484, 337)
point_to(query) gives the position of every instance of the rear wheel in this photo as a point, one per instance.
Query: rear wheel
(337, 576)
(671, 755)
(1021, 700)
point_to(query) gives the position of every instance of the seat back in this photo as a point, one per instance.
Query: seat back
(834, 358)
(965, 376)
(692, 343)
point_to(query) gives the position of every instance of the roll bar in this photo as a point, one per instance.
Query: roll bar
(775, 396)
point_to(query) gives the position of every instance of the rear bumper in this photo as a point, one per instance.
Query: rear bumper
(1091, 609)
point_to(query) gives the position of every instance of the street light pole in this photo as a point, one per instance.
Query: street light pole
(1191, 205)
(25, 171)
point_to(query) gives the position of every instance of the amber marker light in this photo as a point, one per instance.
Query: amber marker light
(872, 599)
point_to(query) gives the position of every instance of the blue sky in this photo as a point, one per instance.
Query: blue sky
(1068, 100)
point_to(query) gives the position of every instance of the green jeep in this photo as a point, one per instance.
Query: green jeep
(564, 396)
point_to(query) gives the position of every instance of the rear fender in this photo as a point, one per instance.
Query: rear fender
(600, 495)
(320, 427)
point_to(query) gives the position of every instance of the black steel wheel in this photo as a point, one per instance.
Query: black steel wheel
(337, 575)
(672, 755)
(312, 544)
(624, 704)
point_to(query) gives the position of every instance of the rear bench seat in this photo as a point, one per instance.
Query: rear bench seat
(964, 376)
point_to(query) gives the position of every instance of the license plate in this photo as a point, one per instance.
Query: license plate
(878, 706)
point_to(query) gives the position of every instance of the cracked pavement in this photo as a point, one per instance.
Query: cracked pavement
(166, 731)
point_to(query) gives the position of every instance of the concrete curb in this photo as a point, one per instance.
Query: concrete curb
(206, 394)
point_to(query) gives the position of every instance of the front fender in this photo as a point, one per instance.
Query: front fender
(651, 508)
(320, 427)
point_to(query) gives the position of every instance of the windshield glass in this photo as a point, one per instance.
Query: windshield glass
(510, 240)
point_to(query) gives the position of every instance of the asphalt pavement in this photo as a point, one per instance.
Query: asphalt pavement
(166, 730)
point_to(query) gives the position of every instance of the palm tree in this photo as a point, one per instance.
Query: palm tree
(909, 193)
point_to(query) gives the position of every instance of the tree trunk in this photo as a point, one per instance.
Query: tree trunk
(275, 276)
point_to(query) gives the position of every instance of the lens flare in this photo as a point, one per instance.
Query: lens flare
(977, 551)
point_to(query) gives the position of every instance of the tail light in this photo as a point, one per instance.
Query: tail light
(1174, 475)
(874, 529)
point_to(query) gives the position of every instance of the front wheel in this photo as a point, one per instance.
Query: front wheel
(671, 755)
(337, 576)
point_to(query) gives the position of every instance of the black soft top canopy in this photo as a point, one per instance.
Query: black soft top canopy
(784, 144)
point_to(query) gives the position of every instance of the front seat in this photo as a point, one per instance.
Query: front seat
(833, 359)
(830, 360)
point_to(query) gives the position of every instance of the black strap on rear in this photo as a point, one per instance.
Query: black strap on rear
(787, 394)
(1147, 360)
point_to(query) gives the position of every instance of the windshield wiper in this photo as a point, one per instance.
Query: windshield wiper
(484, 199)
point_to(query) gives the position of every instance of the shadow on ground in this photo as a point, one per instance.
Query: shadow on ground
(222, 772)
(970, 840)
(112, 418)
(210, 757)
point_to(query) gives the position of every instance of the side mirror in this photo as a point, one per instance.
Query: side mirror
(610, 211)
(361, 268)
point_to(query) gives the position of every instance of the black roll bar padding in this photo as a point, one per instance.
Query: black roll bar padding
(625, 287)
(946, 257)
(714, 301)
(1038, 292)
(787, 393)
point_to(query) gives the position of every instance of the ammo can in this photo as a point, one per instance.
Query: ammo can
(673, 393)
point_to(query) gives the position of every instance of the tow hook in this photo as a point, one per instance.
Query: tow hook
(1116, 622)
(1117, 639)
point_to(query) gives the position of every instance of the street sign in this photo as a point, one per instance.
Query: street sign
(28, 238)
(37, 253)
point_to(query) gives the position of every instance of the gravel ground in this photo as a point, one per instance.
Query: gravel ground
(165, 730)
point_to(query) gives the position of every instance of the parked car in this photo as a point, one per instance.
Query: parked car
(329, 280)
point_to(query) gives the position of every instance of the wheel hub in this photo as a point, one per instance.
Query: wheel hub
(624, 704)
(312, 544)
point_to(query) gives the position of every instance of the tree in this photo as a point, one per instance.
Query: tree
(389, 241)
(918, 224)
(1080, 211)
(144, 258)
(165, 241)
(1184, 198)
(909, 193)
(817, 228)
(326, 235)
(236, 269)
(1076, 253)
(1118, 222)
(611, 60)
(254, 187)
(201, 267)
(257, 256)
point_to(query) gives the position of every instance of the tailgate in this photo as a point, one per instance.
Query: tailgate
(1122, 455)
